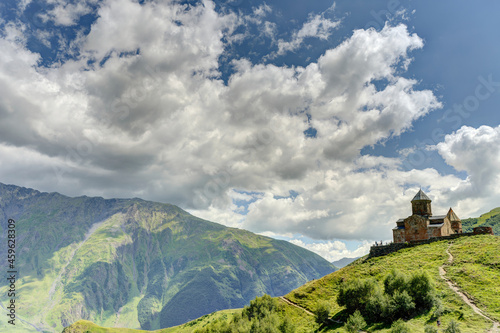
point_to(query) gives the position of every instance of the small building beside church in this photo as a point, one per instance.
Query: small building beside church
(422, 225)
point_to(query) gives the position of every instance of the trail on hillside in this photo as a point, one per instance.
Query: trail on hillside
(286, 300)
(465, 298)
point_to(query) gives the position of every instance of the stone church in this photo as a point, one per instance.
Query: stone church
(423, 225)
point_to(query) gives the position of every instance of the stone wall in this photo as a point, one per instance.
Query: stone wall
(483, 230)
(382, 250)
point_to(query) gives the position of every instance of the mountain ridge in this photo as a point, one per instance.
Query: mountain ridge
(133, 263)
(341, 263)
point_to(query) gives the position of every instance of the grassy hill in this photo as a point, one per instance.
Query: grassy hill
(475, 269)
(137, 264)
(490, 219)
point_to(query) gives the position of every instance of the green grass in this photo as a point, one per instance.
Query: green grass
(475, 269)
(425, 257)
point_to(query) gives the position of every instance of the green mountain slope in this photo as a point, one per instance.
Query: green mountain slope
(138, 264)
(490, 219)
(474, 269)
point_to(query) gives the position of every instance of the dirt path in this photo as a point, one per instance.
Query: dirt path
(466, 299)
(307, 311)
(296, 305)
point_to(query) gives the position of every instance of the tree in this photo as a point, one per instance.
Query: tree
(322, 312)
(430, 329)
(439, 308)
(377, 308)
(399, 327)
(267, 324)
(453, 327)
(260, 307)
(402, 305)
(286, 326)
(421, 290)
(395, 281)
(354, 295)
(355, 322)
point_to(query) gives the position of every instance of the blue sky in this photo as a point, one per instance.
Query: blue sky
(314, 122)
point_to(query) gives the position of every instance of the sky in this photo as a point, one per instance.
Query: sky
(313, 122)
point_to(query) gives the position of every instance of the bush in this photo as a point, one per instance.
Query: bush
(421, 290)
(438, 312)
(267, 324)
(377, 308)
(453, 327)
(402, 297)
(430, 329)
(322, 312)
(402, 305)
(263, 315)
(287, 326)
(355, 322)
(355, 295)
(260, 307)
(399, 327)
(395, 281)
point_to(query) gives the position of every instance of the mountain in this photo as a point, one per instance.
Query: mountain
(470, 263)
(343, 262)
(134, 263)
(490, 219)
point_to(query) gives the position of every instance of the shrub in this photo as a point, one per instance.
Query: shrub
(453, 327)
(355, 322)
(399, 327)
(402, 305)
(267, 324)
(287, 326)
(430, 329)
(395, 281)
(260, 307)
(377, 308)
(403, 297)
(355, 295)
(438, 312)
(421, 290)
(322, 312)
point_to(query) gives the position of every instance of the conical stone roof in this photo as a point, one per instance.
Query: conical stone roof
(452, 216)
(421, 196)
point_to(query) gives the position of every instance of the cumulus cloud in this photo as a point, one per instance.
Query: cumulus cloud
(67, 13)
(316, 26)
(334, 250)
(142, 111)
(477, 152)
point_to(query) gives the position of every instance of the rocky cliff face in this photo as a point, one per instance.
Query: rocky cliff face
(133, 263)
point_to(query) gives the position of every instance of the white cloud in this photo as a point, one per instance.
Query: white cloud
(22, 4)
(142, 112)
(477, 152)
(67, 13)
(334, 250)
(317, 26)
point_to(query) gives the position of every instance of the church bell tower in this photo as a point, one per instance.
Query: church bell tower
(421, 204)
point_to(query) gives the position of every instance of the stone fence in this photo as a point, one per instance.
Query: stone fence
(382, 250)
